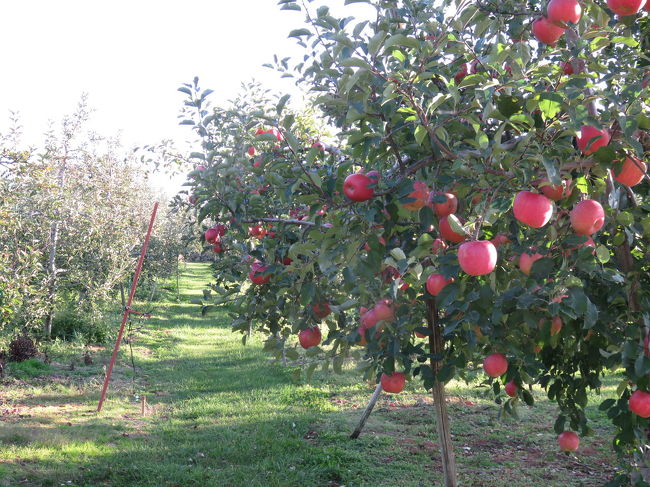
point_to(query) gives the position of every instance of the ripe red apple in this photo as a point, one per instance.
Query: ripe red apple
(647, 7)
(591, 139)
(221, 229)
(358, 187)
(562, 11)
(321, 310)
(555, 192)
(217, 248)
(587, 217)
(436, 283)
(257, 275)
(420, 195)
(287, 261)
(447, 233)
(257, 231)
(526, 261)
(632, 171)
(495, 365)
(458, 77)
(309, 337)
(448, 207)
(393, 383)
(362, 341)
(273, 131)
(375, 176)
(639, 403)
(556, 325)
(625, 7)
(511, 388)
(546, 31)
(192, 199)
(251, 151)
(567, 67)
(438, 246)
(368, 318)
(384, 310)
(477, 258)
(568, 441)
(211, 235)
(500, 239)
(532, 209)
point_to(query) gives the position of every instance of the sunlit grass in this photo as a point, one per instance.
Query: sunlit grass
(221, 414)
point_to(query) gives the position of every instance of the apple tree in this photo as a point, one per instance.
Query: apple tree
(484, 186)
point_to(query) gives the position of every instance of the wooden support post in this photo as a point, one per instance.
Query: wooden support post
(436, 347)
(371, 404)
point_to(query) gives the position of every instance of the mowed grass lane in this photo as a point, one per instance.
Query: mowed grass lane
(221, 414)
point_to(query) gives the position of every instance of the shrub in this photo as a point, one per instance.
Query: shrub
(69, 325)
(22, 348)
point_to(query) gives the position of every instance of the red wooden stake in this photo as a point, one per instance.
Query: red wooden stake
(127, 310)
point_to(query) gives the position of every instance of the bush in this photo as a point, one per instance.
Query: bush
(68, 326)
(22, 348)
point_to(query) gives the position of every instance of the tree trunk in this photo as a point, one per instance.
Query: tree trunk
(436, 347)
(52, 279)
(366, 414)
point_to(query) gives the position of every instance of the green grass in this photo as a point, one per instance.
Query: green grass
(221, 414)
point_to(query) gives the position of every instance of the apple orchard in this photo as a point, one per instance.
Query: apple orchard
(467, 194)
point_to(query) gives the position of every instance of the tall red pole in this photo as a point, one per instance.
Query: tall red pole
(127, 310)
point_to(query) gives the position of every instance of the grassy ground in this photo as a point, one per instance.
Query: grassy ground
(220, 414)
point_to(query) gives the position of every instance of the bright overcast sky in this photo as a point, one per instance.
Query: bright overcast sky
(130, 56)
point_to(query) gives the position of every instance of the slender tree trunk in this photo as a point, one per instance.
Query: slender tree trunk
(366, 414)
(436, 347)
(52, 280)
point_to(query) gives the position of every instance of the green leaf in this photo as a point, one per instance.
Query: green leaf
(300, 33)
(550, 104)
(528, 397)
(552, 171)
(402, 41)
(602, 253)
(376, 42)
(281, 104)
(420, 134)
(559, 424)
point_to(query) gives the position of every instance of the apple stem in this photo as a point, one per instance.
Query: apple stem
(436, 347)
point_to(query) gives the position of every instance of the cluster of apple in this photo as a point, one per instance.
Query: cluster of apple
(559, 13)
(213, 236)
(252, 152)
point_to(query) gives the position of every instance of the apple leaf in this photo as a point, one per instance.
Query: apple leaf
(300, 33)
(550, 104)
(551, 171)
(559, 424)
(456, 225)
(420, 134)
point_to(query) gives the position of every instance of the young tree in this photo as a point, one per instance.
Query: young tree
(464, 151)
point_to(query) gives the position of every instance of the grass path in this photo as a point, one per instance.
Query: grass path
(220, 414)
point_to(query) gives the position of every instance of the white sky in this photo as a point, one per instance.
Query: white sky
(130, 56)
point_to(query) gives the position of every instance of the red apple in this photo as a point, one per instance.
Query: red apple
(477, 258)
(639, 403)
(625, 7)
(632, 171)
(362, 341)
(438, 246)
(447, 233)
(511, 388)
(287, 261)
(273, 131)
(591, 139)
(567, 67)
(375, 176)
(436, 283)
(393, 383)
(309, 337)
(420, 195)
(556, 325)
(587, 217)
(368, 319)
(384, 310)
(526, 261)
(211, 235)
(217, 248)
(358, 187)
(448, 207)
(495, 365)
(532, 209)
(500, 239)
(546, 31)
(568, 441)
(555, 192)
(221, 229)
(461, 74)
(251, 151)
(647, 7)
(192, 199)
(321, 310)
(257, 231)
(562, 11)
(257, 275)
